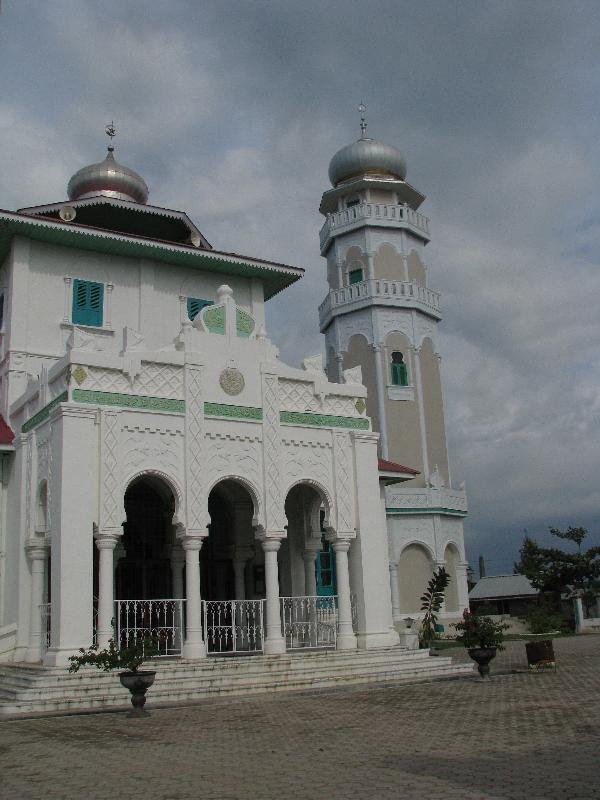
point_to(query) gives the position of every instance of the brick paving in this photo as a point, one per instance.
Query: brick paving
(518, 735)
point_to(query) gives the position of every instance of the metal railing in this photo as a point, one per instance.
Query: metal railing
(309, 621)
(233, 626)
(161, 620)
(45, 626)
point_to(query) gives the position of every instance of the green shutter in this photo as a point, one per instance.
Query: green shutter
(399, 375)
(355, 276)
(195, 306)
(88, 300)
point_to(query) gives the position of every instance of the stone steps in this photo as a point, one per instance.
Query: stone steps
(36, 689)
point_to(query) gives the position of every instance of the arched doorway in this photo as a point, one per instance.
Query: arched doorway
(232, 573)
(307, 573)
(147, 607)
(143, 570)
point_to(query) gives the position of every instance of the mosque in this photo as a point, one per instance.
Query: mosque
(164, 473)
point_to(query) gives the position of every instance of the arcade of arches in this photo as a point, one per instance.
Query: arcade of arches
(153, 570)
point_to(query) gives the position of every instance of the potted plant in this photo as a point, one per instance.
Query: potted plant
(543, 622)
(129, 659)
(482, 638)
(431, 602)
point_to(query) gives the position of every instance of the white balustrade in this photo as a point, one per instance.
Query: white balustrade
(309, 622)
(45, 625)
(160, 620)
(233, 626)
(380, 288)
(375, 213)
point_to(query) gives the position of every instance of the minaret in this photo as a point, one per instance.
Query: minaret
(380, 312)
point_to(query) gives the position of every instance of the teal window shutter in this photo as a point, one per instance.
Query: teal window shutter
(195, 306)
(355, 276)
(399, 371)
(88, 302)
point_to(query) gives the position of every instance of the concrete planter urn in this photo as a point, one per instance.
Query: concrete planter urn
(482, 657)
(129, 659)
(138, 684)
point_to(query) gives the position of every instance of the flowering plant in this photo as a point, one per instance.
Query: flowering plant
(476, 631)
(128, 658)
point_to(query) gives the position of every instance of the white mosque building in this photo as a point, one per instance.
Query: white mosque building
(164, 473)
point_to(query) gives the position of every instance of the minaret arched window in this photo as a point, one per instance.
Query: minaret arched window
(399, 370)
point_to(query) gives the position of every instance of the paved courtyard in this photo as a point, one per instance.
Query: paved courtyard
(519, 735)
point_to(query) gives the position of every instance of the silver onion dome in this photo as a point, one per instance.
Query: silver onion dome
(366, 157)
(110, 179)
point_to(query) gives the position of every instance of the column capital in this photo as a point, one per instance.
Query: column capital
(192, 542)
(37, 548)
(341, 545)
(107, 539)
(270, 545)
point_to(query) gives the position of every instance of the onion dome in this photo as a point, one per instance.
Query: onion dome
(109, 179)
(366, 157)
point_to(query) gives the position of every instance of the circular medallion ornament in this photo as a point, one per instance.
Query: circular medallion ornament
(231, 381)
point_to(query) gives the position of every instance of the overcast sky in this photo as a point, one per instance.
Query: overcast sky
(232, 111)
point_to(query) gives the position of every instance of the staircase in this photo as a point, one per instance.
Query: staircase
(26, 689)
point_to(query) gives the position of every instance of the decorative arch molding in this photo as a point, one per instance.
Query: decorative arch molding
(171, 483)
(324, 493)
(418, 543)
(396, 321)
(258, 520)
(426, 329)
(453, 543)
(357, 324)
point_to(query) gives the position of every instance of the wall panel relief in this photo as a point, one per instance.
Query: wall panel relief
(232, 455)
(352, 324)
(307, 460)
(153, 380)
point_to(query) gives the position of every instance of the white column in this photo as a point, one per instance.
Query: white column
(106, 544)
(395, 589)
(239, 573)
(194, 646)
(578, 608)
(381, 393)
(310, 579)
(37, 550)
(422, 425)
(274, 641)
(346, 639)
(177, 564)
(462, 585)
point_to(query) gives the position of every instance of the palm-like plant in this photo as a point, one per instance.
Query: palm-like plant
(431, 602)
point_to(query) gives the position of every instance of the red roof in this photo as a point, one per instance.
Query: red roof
(391, 466)
(6, 434)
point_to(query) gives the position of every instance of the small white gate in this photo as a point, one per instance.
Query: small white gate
(309, 622)
(159, 620)
(233, 626)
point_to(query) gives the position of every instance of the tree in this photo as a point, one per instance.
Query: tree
(551, 569)
(431, 602)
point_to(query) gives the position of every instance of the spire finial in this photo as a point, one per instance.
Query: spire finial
(111, 132)
(362, 109)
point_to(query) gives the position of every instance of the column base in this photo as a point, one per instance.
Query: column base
(346, 641)
(367, 641)
(274, 646)
(33, 655)
(56, 657)
(193, 650)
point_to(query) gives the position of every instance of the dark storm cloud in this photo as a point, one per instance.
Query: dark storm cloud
(232, 111)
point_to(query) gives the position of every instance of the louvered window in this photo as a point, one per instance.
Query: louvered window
(88, 298)
(195, 306)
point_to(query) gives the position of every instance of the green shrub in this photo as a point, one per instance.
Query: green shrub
(544, 619)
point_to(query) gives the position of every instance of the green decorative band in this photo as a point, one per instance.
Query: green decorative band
(322, 420)
(237, 412)
(43, 413)
(128, 400)
(453, 512)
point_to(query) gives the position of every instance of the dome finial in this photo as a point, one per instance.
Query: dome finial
(111, 132)
(362, 109)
